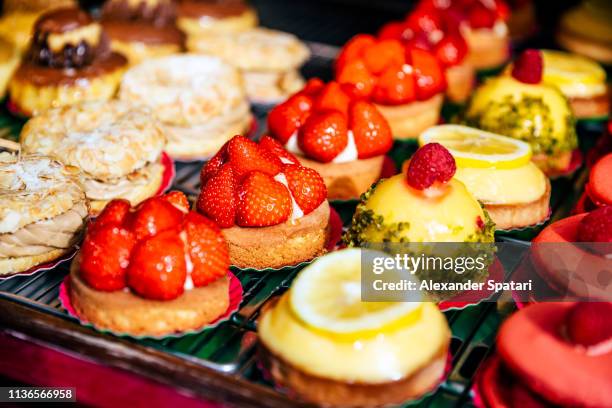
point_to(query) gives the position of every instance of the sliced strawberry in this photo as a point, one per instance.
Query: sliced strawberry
(354, 49)
(153, 216)
(206, 248)
(157, 267)
(312, 87)
(451, 50)
(324, 135)
(285, 119)
(213, 165)
(383, 54)
(263, 201)
(360, 81)
(273, 146)
(178, 199)
(481, 17)
(332, 97)
(430, 79)
(217, 198)
(306, 185)
(370, 129)
(395, 86)
(114, 213)
(396, 30)
(246, 156)
(424, 19)
(105, 256)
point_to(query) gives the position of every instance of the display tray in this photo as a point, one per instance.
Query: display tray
(220, 364)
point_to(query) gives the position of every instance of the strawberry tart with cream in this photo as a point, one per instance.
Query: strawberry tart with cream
(406, 85)
(342, 138)
(273, 212)
(154, 270)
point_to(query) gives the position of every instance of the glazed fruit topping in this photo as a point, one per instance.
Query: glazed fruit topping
(389, 72)
(334, 115)
(156, 249)
(430, 164)
(590, 323)
(528, 67)
(596, 226)
(253, 185)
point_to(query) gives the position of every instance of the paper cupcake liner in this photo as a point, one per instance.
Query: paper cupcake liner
(334, 239)
(235, 295)
(575, 164)
(526, 233)
(168, 175)
(496, 273)
(42, 267)
(251, 133)
(265, 373)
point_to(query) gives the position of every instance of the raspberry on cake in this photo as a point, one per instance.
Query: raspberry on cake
(406, 85)
(273, 212)
(431, 29)
(152, 270)
(342, 137)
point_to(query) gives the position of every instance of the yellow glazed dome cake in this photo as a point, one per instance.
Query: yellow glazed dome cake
(523, 107)
(325, 345)
(489, 165)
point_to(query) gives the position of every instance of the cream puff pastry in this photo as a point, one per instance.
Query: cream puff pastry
(117, 146)
(269, 60)
(42, 211)
(200, 100)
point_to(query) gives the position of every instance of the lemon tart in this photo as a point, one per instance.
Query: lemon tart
(523, 107)
(326, 345)
(489, 165)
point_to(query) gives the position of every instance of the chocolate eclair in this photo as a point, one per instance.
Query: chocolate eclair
(142, 29)
(205, 16)
(69, 60)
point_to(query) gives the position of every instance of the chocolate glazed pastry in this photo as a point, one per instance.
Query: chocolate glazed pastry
(144, 29)
(198, 16)
(69, 61)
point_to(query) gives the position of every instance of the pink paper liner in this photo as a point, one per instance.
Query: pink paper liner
(496, 273)
(42, 267)
(235, 294)
(168, 175)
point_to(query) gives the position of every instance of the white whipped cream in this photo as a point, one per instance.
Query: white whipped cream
(296, 211)
(348, 154)
(188, 285)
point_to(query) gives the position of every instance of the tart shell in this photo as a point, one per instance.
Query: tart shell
(11, 266)
(594, 107)
(487, 49)
(409, 120)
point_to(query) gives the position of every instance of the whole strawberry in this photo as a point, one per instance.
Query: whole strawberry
(370, 129)
(307, 187)
(324, 135)
(218, 199)
(206, 248)
(263, 201)
(246, 156)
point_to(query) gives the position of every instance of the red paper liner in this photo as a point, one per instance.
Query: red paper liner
(42, 267)
(575, 163)
(251, 133)
(168, 175)
(459, 302)
(235, 294)
(335, 223)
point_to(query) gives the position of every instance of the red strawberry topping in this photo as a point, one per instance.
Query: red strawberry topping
(153, 216)
(307, 187)
(114, 213)
(285, 119)
(157, 268)
(263, 201)
(383, 54)
(451, 50)
(332, 97)
(590, 323)
(431, 163)
(324, 135)
(246, 156)
(396, 86)
(430, 78)
(213, 165)
(312, 87)
(178, 199)
(596, 226)
(424, 19)
(105, 256)
(370, 129)
(273, 146)
(207, 249)
(482, 17)
(217, 199)
(356, 79)
(354, 49)
(395, 30)
(528, 67)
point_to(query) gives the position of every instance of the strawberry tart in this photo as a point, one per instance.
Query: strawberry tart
(273, 212)
(407, 85)
(342, 138)
(551, 355)
(430, 29)
(154, 270)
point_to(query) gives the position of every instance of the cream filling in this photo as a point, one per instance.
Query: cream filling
(524, 184)
(125, 187)
(387, 356)
(296, 211)
(59, 232)
(348, 154)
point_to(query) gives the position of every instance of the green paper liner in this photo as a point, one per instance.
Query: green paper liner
(235, 299)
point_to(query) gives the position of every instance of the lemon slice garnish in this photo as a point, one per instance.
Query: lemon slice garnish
(326, 296)
(476, 148)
